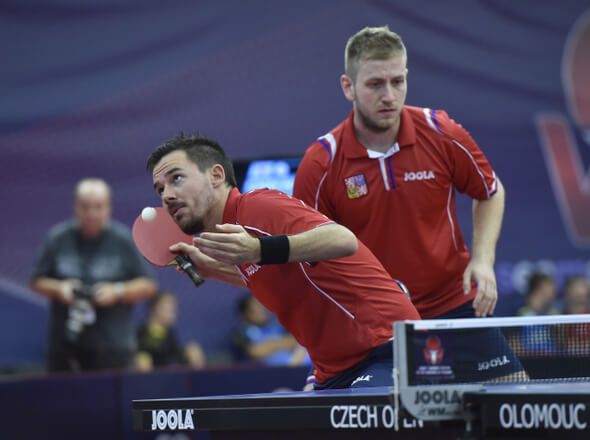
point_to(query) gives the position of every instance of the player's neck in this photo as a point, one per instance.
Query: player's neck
(380, 141)
(218, 208)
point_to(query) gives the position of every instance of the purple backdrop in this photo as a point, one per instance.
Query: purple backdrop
(91, 88)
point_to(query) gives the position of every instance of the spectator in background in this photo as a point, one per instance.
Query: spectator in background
(540, 300)
(260, 337)
(92, 272)
(540, 297)
(576, 295)
(157, 340)
(576, 299)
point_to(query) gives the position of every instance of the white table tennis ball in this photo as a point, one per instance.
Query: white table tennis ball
(148, 214)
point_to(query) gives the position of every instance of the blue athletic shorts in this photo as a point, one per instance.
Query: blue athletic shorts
(373, 371)
(467, 355)
(472, 355)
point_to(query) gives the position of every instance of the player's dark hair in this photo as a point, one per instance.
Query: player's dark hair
(201, 150)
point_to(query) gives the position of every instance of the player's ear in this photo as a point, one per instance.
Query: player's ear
(347, 87)
(217, 175)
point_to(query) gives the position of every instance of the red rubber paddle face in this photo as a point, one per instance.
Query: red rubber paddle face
(153, 238)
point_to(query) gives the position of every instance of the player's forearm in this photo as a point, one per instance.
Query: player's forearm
(322, 243)
(232, 276)
(222, 272)
(487, 222)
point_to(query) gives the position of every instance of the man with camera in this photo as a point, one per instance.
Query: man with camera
(91, 271)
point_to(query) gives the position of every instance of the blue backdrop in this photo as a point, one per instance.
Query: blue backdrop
(90, 88)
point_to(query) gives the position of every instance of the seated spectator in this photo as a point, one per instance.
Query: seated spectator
(540, 297)
(576, 295)
(540, 300)
(260, 337)
(158, 345)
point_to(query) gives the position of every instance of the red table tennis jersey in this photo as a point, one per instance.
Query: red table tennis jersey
(339, 309)
(401, 204)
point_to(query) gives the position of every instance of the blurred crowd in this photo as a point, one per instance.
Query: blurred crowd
(544, 298)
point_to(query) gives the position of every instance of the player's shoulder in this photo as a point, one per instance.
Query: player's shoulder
(264, 194)
(326, 145)
(259, 202)
(432, 122)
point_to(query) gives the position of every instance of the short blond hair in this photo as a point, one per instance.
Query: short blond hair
(371, 43)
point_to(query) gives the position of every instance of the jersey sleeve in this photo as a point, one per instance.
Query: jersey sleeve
(472, 173)
(309, 178)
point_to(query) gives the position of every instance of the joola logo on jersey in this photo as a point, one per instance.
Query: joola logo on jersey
(251, 269)
(356, 186)
(418, 175)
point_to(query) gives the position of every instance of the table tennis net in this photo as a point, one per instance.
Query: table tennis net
(548, 348)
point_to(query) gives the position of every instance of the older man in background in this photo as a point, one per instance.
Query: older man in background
(92, 273)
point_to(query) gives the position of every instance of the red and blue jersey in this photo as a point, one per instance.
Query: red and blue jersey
(401, 203)
(339, 309)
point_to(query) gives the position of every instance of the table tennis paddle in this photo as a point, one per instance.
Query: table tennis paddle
(154, 237)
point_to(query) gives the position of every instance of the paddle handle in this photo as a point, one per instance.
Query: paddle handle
(187, 266)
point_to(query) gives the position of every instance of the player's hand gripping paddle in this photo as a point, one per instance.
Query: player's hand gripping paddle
(154, 234)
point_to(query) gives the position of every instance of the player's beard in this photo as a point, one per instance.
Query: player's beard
(195, 226)
(371, 124)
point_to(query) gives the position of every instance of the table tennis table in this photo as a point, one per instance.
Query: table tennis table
(410, 409)
(496, 411)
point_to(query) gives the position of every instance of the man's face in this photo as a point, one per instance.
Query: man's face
(578, 297)
(547, 292)
(186, 192)
(166, 311)
(379, 92)
(92, 209)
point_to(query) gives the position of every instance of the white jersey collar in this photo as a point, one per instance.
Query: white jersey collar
(373, 154)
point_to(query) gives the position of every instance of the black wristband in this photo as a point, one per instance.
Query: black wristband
(274, 249)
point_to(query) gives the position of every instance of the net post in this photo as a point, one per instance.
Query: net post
(400, 369)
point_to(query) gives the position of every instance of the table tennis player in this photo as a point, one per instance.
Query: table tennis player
(326, 288)
(389, 172)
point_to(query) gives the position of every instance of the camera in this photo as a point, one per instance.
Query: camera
(81, 313)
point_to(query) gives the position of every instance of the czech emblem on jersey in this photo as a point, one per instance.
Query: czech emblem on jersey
(356, 186)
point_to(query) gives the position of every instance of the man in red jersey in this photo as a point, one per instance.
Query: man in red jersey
(326, 288)
(389, 173)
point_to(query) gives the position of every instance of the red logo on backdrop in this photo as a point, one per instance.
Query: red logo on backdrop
(433, 353)
(571, 183)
